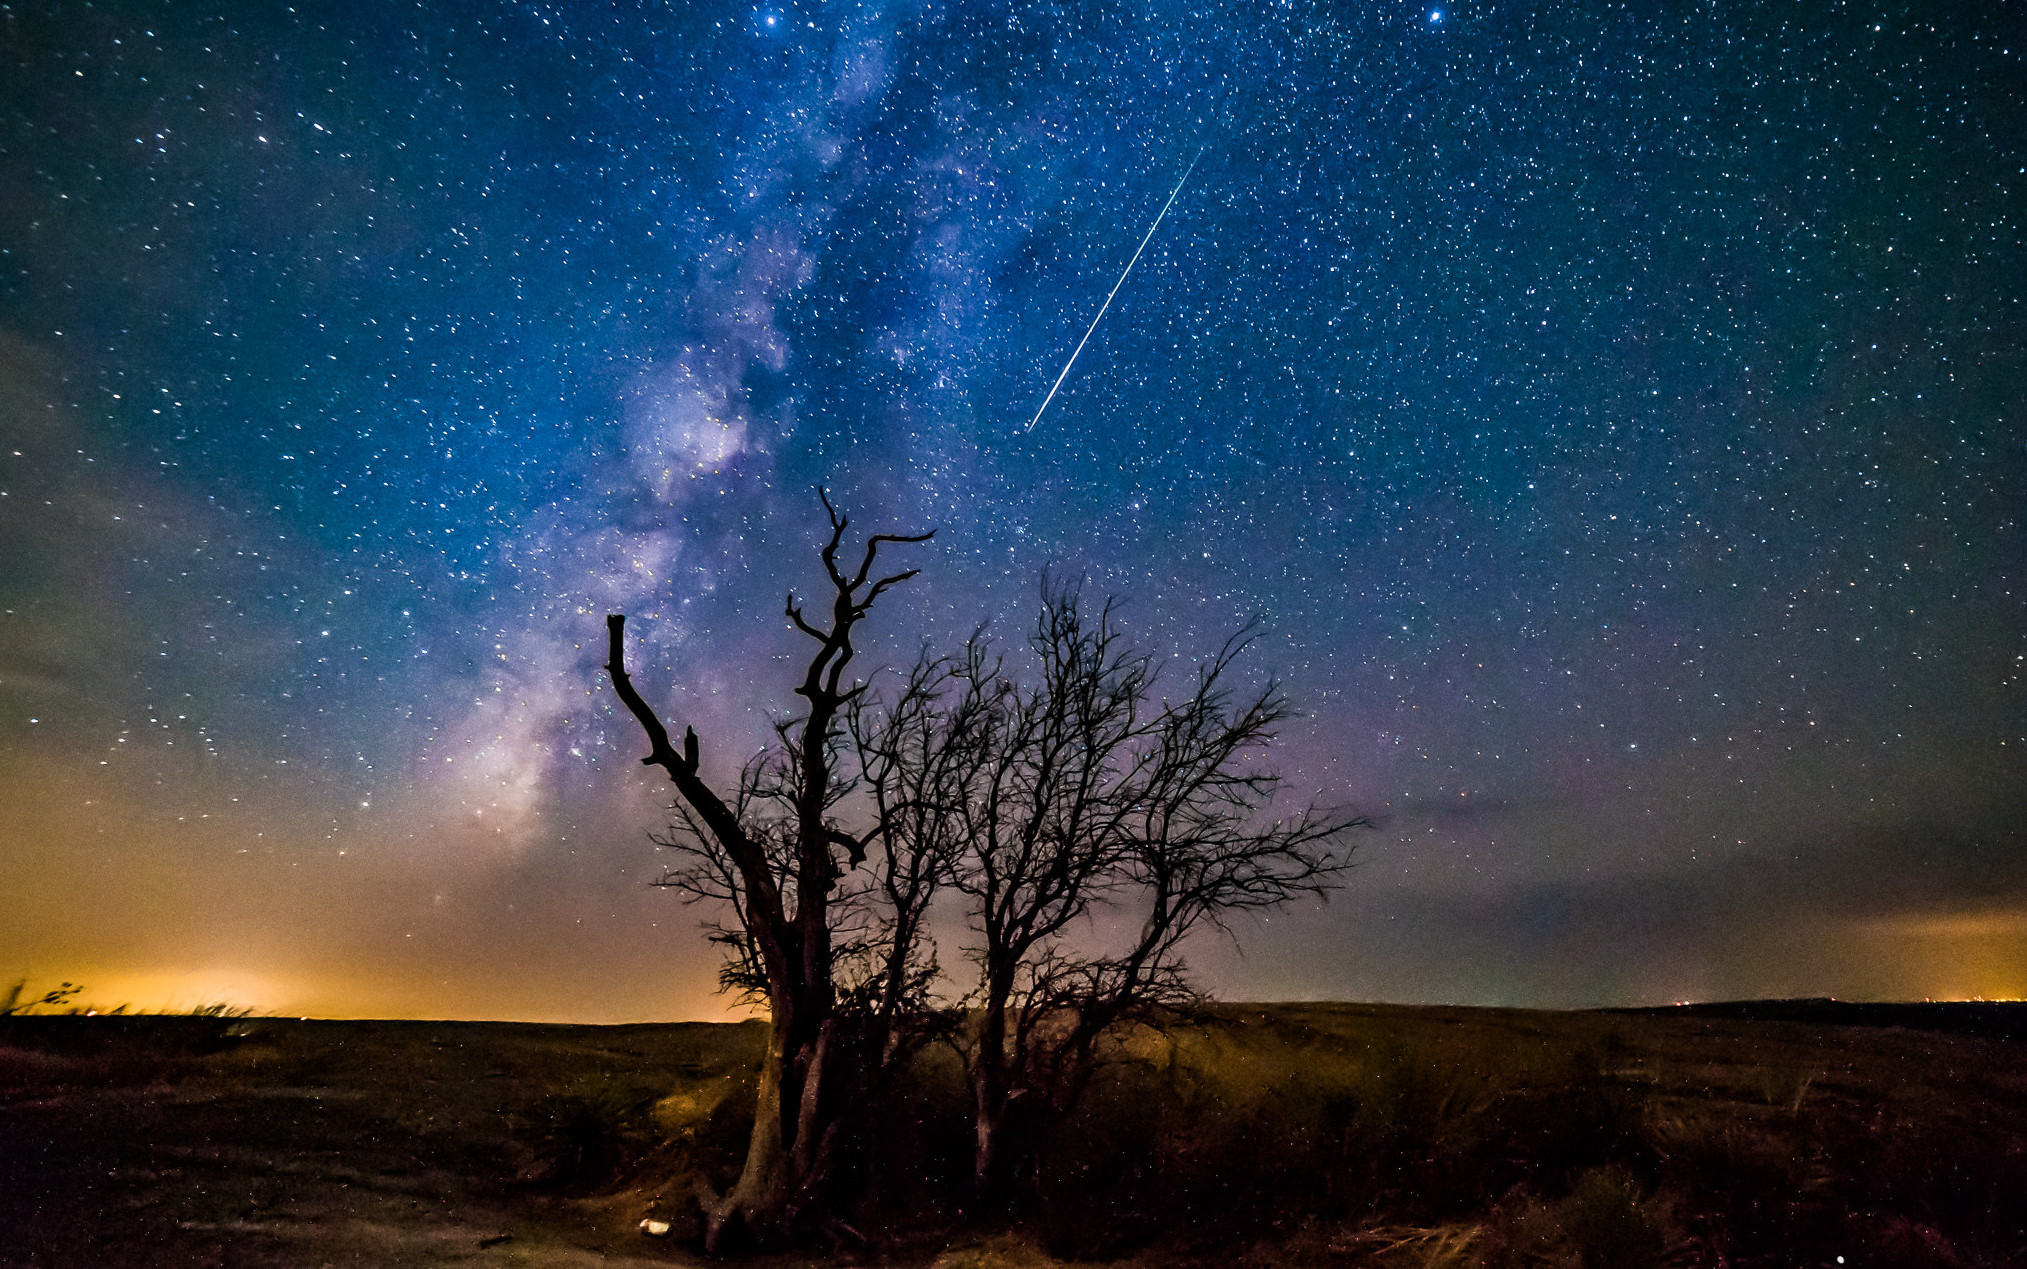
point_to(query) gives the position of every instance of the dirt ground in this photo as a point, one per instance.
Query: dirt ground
(167, 1141)
(184, 1142)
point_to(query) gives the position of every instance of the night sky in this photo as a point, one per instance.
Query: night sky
(1612, 416)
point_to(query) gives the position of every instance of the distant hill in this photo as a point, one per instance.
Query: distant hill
(1990, 1019)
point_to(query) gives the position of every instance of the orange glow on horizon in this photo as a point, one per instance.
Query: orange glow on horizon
(107, 988)
(1979, 954)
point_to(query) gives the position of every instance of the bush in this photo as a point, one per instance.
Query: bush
(581, 1136)
(1606, 1221)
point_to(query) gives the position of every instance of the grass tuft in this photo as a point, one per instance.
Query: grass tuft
(585, 1133)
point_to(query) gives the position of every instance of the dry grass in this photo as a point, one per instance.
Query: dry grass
(1352, 1134)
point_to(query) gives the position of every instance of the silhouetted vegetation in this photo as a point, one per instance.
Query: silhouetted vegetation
(124, 1041)
(55, 998)
(767, 851)
(1027, 788)
(1038, 801)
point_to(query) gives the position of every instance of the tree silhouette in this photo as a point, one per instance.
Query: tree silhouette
(1077, 791)
(771, 851)
(1028, 789)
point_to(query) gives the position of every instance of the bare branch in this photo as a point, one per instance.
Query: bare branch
(855, 849)
(794, 613)
(880, 587)
(829, 553)
(873, 550)
(659, 752)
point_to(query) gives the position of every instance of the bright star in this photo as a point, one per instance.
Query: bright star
(1435, 17)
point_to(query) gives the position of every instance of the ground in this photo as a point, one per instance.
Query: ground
(267, 1142)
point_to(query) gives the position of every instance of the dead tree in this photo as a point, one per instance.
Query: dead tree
(1077, 791)
(775, 849)
(1046, 836)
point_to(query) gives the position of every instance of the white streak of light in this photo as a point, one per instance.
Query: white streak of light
(1115, 290)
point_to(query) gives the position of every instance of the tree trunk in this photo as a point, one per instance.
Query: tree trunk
(989, 1089)
(788, 1153)
(758, 1201)
(988, 1152)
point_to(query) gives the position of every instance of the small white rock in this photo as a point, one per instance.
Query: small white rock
(654, 1228)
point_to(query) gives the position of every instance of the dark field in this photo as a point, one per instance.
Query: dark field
(1782, 1134)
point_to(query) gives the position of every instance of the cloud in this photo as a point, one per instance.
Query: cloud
(1975, 923)
(1919, 908)
(108, 567)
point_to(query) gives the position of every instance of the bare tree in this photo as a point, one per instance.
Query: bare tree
(1046, 833)
(770, 853)
(1081, 790)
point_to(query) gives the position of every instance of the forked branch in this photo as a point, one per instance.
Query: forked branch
(720, 819)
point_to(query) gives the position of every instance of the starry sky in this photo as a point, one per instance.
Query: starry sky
(1612, 416)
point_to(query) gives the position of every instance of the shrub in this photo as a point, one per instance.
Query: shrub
(582, 1135)
(1606, 1221)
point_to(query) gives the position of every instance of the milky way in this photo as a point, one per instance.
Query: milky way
(1611, 417)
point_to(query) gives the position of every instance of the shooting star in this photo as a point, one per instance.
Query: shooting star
(1115, 290)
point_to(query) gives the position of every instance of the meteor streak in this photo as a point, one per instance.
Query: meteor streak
(1114, 291)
